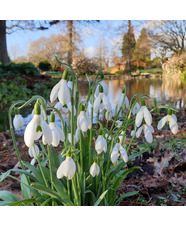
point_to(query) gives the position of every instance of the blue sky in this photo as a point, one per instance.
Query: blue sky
(18, 42)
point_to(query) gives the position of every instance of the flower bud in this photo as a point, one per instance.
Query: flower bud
(143, 102)
(52, 117)
(169, 112)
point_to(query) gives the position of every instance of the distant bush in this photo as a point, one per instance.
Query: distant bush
(84, 66)
(44, 65)
(119, 72)
(19, 69)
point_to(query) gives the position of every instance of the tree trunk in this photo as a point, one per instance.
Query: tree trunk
(129, 31)
(3, 47)
(70, 48)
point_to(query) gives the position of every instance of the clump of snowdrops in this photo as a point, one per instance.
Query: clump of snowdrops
(92, 162)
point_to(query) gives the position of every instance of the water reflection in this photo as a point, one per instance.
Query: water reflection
(167, 92)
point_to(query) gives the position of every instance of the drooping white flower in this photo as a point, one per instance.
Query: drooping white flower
(136, 108)
(122, 137)
(33, 161)
(122, 102)
(145, 114)
(57, 133)
(101, 144)
(171, 120)
(119, 123)
(83, 120)
(108, 115)
(65, 108)
(33, 151)
(67, 168)
(101, 102)
(105, 88)
(148, 130)
(76, 136)
(18, 121)
(94, 169)
(117, 151)
(36, 128)
(61, 90)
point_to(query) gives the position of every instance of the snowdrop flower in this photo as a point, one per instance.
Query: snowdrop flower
(61, 90)
(136, 108)
(33, 161)
(118, 123)
(122, 101)
(57, 133)
(107, 138)
(143, 113)
(108, 115)
(122, 136)
(94, 169)
(105, 88)
(101, 102)
(65, 108)
(171, 120)
(148, 130)
(83, 120)
(76, 136)
(67, 168)
(33, 151)
(101, 144)
(117, 151)
(18, 120)
(36, 128)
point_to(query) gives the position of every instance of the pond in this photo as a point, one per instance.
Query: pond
(167, 92)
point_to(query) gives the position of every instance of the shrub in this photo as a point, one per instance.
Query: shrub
(84, 66)
(19, 69)
(44, 65)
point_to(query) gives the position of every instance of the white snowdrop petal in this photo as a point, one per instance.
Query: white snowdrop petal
(138, 132)
(54, 92)
(147, 116)
(162, 122)
(123, 154)
(30, 133)
(70, 168)
(94, 169)
(18, 121)
(97, 102)
(151, 128)
(139, 118)
(46, 132)
(60, 170)
(61, 133)
(148, 135)
(33, 161)
(83, 121)
(58, 106)
(101, 144)
(173, 125)
(126, 102)
(114, 156)
(64, 93)
(174, 117)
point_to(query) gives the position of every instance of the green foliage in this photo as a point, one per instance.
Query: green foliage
(18, 69)
(44, 65)
(13, 90)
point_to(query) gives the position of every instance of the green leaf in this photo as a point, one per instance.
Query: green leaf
(100, 198)
(26, 201)
(54, 159)
(8, 196)
(64, 196)
(25, 190)
(47, 191)
(125, 195)
(4, 175)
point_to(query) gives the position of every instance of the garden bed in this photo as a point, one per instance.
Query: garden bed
(161, 180)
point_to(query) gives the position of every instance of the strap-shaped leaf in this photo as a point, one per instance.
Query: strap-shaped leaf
(100, 198)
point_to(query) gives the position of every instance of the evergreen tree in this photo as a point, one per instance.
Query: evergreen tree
(128, 45)
(142, 48)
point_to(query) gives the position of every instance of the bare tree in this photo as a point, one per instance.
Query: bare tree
(168, 35)
(8, 27)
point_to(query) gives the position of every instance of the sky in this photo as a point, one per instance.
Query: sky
(18, 42)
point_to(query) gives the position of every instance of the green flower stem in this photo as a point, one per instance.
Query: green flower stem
(75, 190)
(13, 135)
(81, 151)
(42, 173)
(68, 186)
